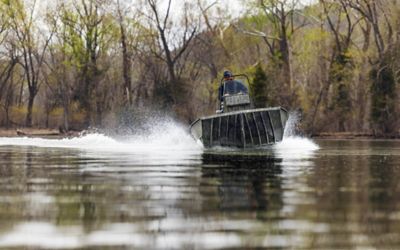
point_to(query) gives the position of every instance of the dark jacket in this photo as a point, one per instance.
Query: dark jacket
(231, 87)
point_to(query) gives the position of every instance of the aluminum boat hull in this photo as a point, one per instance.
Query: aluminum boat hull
(243, 129)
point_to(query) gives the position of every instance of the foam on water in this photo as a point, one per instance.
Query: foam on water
(297, 143)
(162, 138)
(294, 146)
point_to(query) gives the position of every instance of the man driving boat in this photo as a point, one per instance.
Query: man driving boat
(230, 86)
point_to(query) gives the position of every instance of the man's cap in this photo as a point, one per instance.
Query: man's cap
(227, 74)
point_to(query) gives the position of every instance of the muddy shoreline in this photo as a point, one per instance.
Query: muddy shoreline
(55, 133)
(37, 132)
(353, 136)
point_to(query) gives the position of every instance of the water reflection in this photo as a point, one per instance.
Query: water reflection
(344, 195)
(243, 182)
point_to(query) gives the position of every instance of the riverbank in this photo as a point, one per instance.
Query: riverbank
(55, 133)
(36, 132)
(351, 136)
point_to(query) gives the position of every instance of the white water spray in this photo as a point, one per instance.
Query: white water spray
(294, 146)
(165, 137)
(291, 125)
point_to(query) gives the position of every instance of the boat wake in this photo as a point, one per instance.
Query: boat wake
(164, 137)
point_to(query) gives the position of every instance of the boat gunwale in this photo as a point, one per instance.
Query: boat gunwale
(235, 113)
(239, 112)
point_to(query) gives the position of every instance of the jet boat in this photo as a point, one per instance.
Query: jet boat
(237, 124)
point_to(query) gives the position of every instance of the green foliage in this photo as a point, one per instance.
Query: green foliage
(341, 73)
(343, 100)
(383, 103)
(255, 21)
(258, 87)
(87, 34)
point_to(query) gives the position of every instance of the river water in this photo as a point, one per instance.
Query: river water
(164, 191)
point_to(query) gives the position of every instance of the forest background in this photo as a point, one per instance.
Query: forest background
(93, 63)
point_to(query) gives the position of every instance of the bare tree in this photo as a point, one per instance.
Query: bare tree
(126, 55)
(7, 87)
(285, 20)
(369, 9)
(31, 52)
(57, 64)
(342, 29)
(86, 38)
(173, 47)
(213, 50)
(384, 69)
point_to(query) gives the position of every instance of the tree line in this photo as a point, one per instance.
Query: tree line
(81, 63)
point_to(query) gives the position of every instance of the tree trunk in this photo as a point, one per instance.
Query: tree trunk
(85, 96)
(285, 57)
(99, 114)
(47, 119)
(126, 66)
(65, 117)
(7, 109)
(21, 91)
(8, 103)
(65, 98)
(28, 122)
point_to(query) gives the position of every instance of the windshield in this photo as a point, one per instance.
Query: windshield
(233, 87)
